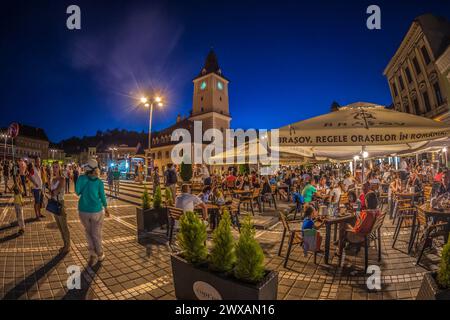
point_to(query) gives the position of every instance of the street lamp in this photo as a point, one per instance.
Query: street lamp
(5, 136)
(148, 103)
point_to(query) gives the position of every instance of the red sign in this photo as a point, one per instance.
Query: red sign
(13, 130)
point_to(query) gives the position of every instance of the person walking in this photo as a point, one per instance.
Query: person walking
(34, 175)
(22, 173)
(6, 174)
(116, 180)
(110, 180)
(92, 209)
(18, 206)
(76, 174)
(156, 182)
(170, 180)
(57, 190)
(68, 177)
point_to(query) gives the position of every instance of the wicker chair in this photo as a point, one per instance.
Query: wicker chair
(234, 208)
(254, 197)
(295, 238)
(425, 232)
(359, 240)
(404, 214)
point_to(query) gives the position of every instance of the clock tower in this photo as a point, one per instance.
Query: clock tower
(210, 100)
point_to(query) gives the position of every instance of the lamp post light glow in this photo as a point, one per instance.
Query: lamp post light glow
(148, 103)
(365, 154)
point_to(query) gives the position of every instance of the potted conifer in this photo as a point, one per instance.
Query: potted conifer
(151, 215)
(232, 271)
(436, 285)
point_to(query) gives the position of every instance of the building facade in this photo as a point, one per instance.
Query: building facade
(418, 72)
(31, 142)
(210, 105)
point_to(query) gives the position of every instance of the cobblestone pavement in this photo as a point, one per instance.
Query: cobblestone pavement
(30, 267)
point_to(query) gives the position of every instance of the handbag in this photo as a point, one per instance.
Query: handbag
(54, 207)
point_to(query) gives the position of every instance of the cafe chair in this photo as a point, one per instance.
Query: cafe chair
(427, 193)
(404, 215)
(234, 209)
(173, 215)
(253, 198)
(295, 238)
(363, 240)
(384, 196)
(425, 232)
(375, 235)
(270, 199)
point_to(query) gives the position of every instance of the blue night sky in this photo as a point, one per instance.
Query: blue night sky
(287, 60)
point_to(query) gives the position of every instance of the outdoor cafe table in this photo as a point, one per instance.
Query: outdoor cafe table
(329, 221)
(242, 192)
(213, 210)
(429, 212)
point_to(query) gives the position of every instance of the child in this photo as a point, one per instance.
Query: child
(18, 206)
(308, 223)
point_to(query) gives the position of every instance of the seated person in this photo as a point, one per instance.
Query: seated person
(187, 201)
(363, 225)
(217, 194)
(298, 200)
(310, 223)
(205, 194)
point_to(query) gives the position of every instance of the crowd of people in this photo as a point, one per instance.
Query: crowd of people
(26, 178)
(303, 187)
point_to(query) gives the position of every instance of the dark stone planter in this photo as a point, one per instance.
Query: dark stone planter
(429, 289)
(199, 283)
(150, 219)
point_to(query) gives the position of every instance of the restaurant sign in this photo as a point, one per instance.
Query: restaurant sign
(376, 137)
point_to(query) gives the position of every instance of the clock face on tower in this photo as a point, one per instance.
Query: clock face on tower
(219, 85)
(203, 85)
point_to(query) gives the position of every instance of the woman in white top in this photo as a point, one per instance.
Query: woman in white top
(57, 189)
(336, 193)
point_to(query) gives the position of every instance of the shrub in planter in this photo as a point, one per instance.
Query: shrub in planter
(192, 238)
(443, 276)
(186, 171)
(146, 201)
(150, 217)
(222, 255)
(157, 199)
(436, 285)
(201, 281)
(168, 196)
(249, 255)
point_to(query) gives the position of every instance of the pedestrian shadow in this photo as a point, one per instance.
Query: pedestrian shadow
(26, 284)
(10, 237)
(15, 224)
(87, 277)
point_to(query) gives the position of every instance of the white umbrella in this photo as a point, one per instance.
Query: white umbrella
(342, 134)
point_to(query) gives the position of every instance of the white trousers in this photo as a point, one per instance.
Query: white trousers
(93, 224)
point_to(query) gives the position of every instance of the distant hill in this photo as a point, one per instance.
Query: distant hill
(103, 140)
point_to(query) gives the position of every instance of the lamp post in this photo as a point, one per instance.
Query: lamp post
(149, 103)
(5, 136)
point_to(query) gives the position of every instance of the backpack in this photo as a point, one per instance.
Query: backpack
(171, 177)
